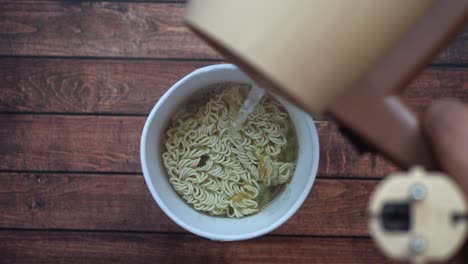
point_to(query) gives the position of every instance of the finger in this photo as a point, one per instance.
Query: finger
(446, 125)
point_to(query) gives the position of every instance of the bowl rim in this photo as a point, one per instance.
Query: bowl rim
(211, 235)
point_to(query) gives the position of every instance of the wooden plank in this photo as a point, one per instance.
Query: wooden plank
(122, 202)
(87, 86)
(70, 143)
(87, 247)
(339, 158)
(73, 247)
(111, 144)
(98, 29)
(435, 84)
(118, 30)
(133, 86)
(74, 201)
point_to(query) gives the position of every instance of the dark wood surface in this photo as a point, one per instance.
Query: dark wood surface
(83, 143)
(77, 80)
(162, 248)
(122, 203)
(130, 87)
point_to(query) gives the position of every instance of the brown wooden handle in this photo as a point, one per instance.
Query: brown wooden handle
(370, 107)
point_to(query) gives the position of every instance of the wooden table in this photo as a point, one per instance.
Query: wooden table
(77, 80)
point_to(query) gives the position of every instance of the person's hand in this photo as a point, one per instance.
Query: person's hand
(446, 126)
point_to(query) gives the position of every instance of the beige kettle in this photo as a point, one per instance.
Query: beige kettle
(348, 59)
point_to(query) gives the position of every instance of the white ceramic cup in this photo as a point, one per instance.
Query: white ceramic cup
(222, 228)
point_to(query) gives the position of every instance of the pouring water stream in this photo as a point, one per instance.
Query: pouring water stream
(248, 106)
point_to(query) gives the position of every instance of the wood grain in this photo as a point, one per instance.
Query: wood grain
(70, 143)
(151, 30)
(133, 86)
(84, 247)
(111, 144)
(435, 84)
(89, 247)
(87, 86)
(123, 203)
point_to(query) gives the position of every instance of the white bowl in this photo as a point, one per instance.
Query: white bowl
(220, 228)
